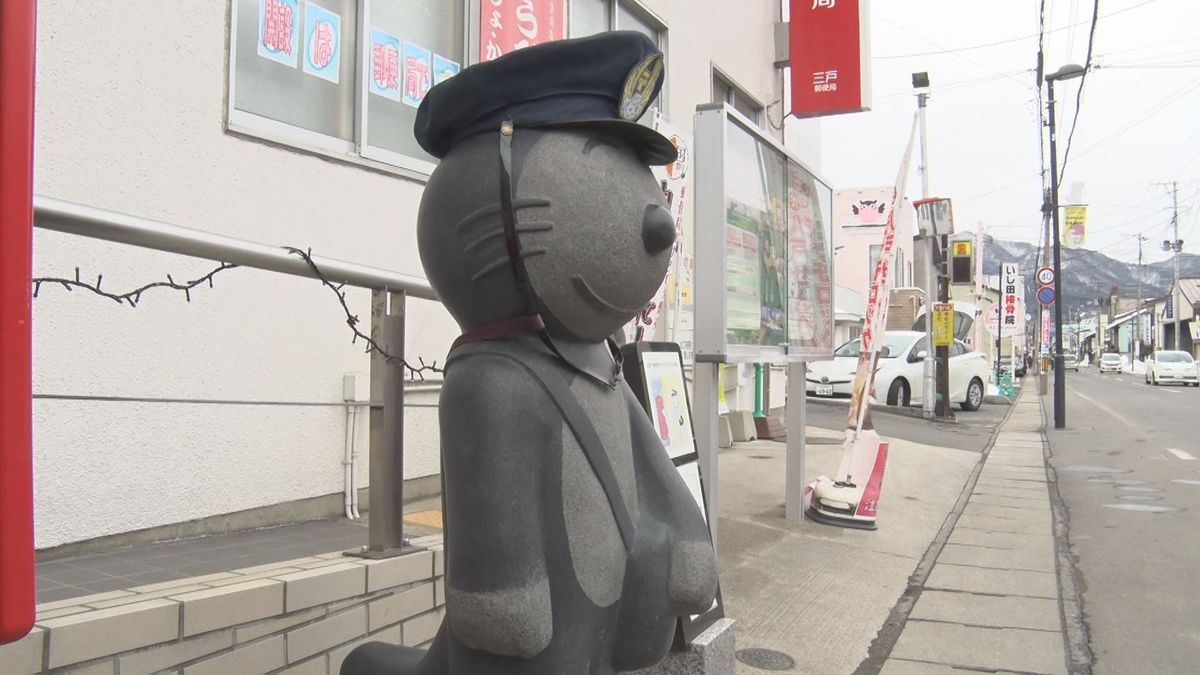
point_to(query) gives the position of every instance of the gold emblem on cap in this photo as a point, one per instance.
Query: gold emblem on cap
(506, 128)
(640, 85)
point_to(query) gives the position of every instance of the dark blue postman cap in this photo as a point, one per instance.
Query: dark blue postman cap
(604, 81)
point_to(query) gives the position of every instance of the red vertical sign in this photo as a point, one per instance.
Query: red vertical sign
(509, 25)
(830, 57)
(17, 48)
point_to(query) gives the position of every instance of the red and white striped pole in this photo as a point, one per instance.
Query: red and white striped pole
(17, 47)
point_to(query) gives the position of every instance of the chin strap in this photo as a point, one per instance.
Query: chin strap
(532, 321)
(508, 214)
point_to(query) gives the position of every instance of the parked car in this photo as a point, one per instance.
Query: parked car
(900, 370)
(1070, 362)
(1110, 362)
(1172, 366)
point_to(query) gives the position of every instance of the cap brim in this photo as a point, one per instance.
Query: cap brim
(654, 148)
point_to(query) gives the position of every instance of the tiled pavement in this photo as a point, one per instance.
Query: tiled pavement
(167, 561)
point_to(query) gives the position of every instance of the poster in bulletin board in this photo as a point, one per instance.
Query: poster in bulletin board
(764, 226)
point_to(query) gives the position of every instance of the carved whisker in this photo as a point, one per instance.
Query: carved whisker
(494, 210)
(536, 226)
(501, 262)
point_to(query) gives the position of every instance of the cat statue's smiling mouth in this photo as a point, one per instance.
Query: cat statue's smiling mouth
(591, 296)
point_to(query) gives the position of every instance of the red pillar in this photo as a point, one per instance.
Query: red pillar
(17, 46)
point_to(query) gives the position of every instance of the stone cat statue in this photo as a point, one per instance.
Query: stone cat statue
(572, 544)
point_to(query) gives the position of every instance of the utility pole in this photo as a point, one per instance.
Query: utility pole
(979, 287)
(927, 386)
(1043, 374)
(1137, 318)
(1060, 381)
(1177, 246)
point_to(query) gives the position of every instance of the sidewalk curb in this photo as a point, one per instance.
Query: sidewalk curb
(885, 640)
(1070, 581)
(888, 410)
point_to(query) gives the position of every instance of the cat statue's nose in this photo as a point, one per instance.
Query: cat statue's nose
(658, 229)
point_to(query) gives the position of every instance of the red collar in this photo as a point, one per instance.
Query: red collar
(502, 329)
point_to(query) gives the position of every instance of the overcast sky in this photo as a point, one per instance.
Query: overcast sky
(1139, 121)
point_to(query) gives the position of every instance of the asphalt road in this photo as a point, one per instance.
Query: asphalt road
(972, 430)
(1128, 470)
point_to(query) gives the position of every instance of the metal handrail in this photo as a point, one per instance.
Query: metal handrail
(89, 221)
(388, 292)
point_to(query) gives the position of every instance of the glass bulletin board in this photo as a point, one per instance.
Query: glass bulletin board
(764, 249)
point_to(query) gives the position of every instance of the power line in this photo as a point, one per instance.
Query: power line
(1154, 66)
(1150, 112)
(947, 51)
(1071, 35)
(957, 84)
(1079, 92)
(985, 45)
(1149, 46)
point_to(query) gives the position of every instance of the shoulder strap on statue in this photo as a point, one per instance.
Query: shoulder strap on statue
(579, 422)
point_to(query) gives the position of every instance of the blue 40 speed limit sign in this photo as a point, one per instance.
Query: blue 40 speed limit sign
(1045, 295)
(1045, 276)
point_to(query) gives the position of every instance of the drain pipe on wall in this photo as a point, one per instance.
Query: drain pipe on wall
(348, 463)
(356, 393)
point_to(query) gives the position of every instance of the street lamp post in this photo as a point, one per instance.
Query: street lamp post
(1060, 384)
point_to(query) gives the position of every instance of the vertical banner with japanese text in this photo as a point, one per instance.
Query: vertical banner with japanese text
(674, 180)
(1075, 230)
(1010, 299)
(830, 56)
(1045, 330)
(864, 452)
(877, 304)
(509, 25)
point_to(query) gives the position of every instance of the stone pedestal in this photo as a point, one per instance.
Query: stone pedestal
(711, 653)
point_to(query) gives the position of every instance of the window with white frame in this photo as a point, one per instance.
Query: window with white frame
(344, 78)
(725, 91)
(589, 17)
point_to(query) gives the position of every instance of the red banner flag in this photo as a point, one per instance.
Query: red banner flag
(509, 25)
(851, 498)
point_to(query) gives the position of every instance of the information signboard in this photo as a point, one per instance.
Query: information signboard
(764, 254)
(654, 371)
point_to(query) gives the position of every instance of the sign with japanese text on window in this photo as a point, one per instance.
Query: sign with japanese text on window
(278, 30)
(1010, 299)
(830, 56)
(509, 25)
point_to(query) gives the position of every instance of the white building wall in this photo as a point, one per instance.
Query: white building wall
(130, 117)
(130, 104)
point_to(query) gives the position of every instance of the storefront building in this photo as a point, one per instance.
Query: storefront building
(288, 123)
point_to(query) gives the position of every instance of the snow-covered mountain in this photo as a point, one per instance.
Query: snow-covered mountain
(1088, 276)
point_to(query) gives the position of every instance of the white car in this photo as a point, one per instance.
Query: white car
(900, 369)
(1110, 362)
(1172, 366)
(1070, 362)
